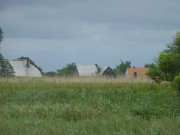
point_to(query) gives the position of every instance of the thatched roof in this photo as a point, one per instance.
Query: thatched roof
(107, 71)
(24, 69)
(86, 70)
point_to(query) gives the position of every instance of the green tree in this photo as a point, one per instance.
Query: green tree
(6, 70)
(98, 68)
(67, 71)
(121, 68)
(149, 65)
(50, 74)
(168, 63)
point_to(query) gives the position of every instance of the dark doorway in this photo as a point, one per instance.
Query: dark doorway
(135, 74)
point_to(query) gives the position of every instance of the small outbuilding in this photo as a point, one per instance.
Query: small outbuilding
(85, 70)
(23, 68)
(107, 71)
(136, 72)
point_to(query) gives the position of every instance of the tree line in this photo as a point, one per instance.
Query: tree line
(119, 70)
(68, 70)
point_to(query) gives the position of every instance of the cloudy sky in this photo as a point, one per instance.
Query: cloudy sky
(56, 32)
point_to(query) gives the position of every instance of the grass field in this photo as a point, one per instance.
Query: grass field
(87, 106)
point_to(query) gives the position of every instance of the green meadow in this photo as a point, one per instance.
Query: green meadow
(87, 106)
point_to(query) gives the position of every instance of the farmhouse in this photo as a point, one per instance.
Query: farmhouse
(107, 71)
(136, 72)
(23, 68)
(85, 70)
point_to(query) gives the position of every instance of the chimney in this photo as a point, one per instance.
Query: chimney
(27, 63)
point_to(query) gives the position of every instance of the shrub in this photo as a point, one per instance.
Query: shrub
(167, 64)
(176, 82)
(6, 70)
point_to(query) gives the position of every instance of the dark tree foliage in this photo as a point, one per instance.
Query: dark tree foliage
(31, 62)
(67, 71)
(121, 68)
(98, 68)
(149, 65)
(50, 74)
(174, 47)
(6, 70)
(168, 63)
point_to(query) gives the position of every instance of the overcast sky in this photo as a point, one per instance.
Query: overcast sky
(56, 32)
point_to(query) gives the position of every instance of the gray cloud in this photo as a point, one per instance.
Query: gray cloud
(54, 33)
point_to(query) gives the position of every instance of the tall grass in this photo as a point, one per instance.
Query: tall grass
(75, 79)
(87, 106)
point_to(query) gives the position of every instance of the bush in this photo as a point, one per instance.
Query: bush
(176, 82)
(6, 70)
(167, 64)
(67, 71)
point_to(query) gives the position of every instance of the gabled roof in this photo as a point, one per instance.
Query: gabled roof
(102, 71)
(141, 72)
(86, 70)
(21, 69)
